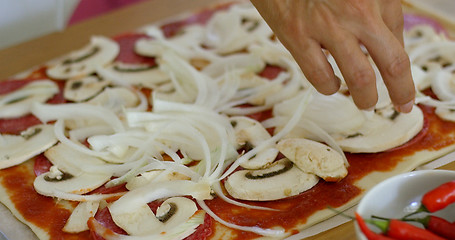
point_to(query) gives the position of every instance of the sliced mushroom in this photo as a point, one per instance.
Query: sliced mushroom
(141, 221)
(77, 222)
(49, 183)
(16, 149)
(134, 74)
(282, 179)
(443, 85)
(434, 56)
(349, 117)
(422, 79)
(447, 114)
(235, 61)
(116, 98)
(18, 103)
(175, 211)
(182, 231)
(186, 43)
(250, 133)
(85, 88)
(68, 173)
(419, 35)
(72, 161)
(314, 157)
(385, 129)
(229, 31)
(156, 175)
(99, 52)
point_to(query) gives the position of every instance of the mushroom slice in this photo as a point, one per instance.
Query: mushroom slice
(240, 61)
(134, 74)
(445, 113)
(175, 211)
(69, 172)
(77, 222)
(16, 149)
(72, 161)
(82, 89)
(422, 79)
(349, 117)
(54, 181)
(186, 42)
(85, 61)
(443, 85)
(116, 98)
(434, 56)
(250, 133)
(229, 32)
(180, 232)
(132, 213)
(314, 157)
(155, 175)
(141, 221)
(282, 179)
(18, 103)
(384, 130)
(419, 35)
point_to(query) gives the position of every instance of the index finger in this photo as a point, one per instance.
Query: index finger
(393, 64)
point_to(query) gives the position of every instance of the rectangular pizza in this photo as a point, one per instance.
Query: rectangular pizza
(203, 126)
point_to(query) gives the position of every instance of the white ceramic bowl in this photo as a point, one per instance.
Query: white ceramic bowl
(401, 194)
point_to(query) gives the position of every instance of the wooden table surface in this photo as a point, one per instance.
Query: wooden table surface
(24, 56)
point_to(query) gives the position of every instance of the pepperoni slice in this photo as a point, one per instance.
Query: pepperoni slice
(104, 190)
(42, 165)
(411, 20)
(261, 116)
(127, 53)
(204, 230)
(270, 72)
(17, 125)
(202, 17)
(104, 217)
(12, 85)
(155, 205)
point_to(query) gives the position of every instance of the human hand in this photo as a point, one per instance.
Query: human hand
(305, 27)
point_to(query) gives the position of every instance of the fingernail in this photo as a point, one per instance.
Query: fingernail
(405, 108)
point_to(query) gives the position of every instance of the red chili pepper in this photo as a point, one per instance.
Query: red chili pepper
(437, 225)
(442, 227)
(367, 231)
(404, 231)
(439, 197)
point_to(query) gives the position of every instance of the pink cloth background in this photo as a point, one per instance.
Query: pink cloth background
(91, 8)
